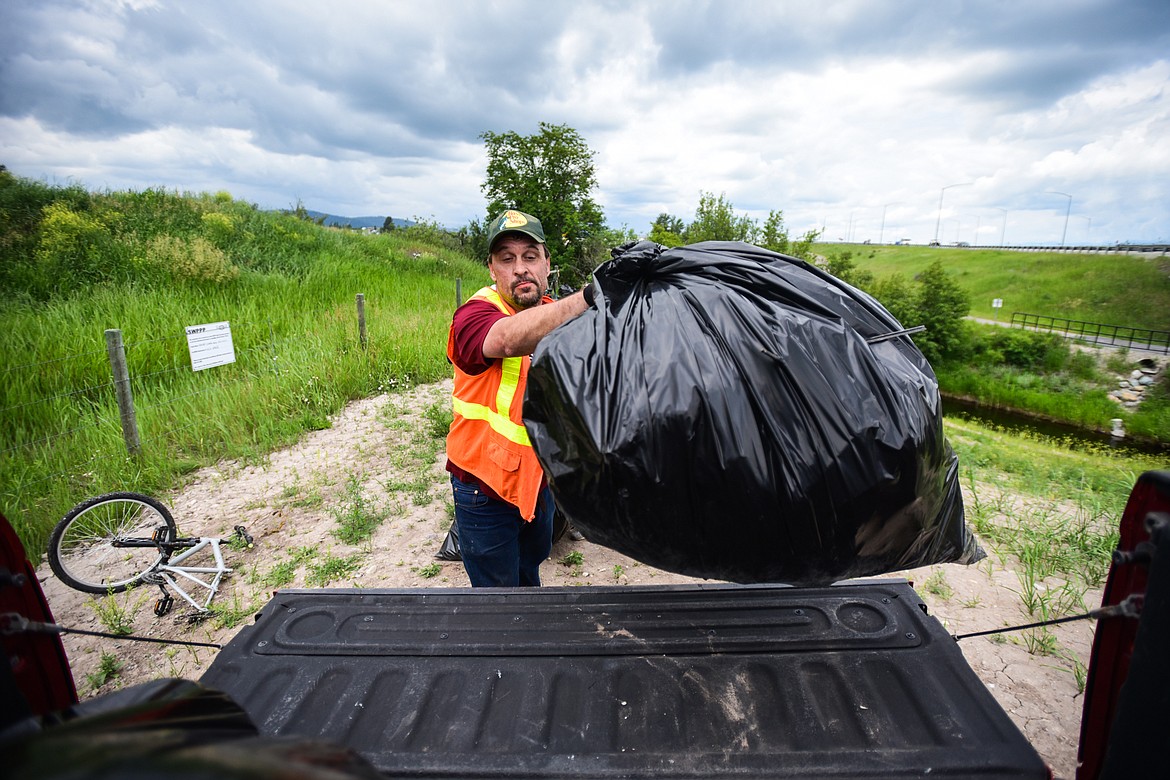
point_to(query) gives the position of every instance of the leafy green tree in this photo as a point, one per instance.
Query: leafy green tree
(667, 230)
(670, 223)
(548, 174)
(473, 239)
(935, 300)
(774, 235)
(716, 220)
(596, 250)
(842, 266)
(942, 304)
(388, 225)
(897, 294)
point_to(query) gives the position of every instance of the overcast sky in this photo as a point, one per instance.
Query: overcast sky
(1051, 117)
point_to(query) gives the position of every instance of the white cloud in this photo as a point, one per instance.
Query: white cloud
(836, 113)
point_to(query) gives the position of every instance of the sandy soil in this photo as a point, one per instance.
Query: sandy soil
(290, 503)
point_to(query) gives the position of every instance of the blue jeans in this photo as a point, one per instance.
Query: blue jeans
(498, 548)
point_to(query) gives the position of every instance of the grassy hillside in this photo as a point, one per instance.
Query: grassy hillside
(1111, 289)
(151, 264)
(74, 264)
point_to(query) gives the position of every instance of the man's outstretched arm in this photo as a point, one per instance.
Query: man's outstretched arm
(519, 334)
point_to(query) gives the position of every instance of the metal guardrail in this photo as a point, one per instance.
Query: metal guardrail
(1085, 249)
(1096, 332)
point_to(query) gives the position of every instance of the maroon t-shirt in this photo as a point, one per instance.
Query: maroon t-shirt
(471, 324)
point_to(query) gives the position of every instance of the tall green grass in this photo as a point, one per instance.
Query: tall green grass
(292, 309)
(1054, 507)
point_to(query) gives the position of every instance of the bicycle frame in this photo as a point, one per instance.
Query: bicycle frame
(165, 569)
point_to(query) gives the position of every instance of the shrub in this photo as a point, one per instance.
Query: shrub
(896, 294)
(842, 266)
(77, 249)
(431, 232)
(195, 260)
(22, 206)
(155, 212)
(219, 228)
(1082, 365)
(1028, 349)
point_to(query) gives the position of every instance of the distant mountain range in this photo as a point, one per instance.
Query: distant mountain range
(333, 220)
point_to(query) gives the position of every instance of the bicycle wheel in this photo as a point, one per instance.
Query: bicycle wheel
(85, 548)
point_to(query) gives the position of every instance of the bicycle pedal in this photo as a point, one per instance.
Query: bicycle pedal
(163, 605)
(163, 535)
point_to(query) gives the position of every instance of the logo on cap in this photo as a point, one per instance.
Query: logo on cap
(512, 219)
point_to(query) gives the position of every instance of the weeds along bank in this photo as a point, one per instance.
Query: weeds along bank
(1050, 510)
(151, 264)
(1046, 376)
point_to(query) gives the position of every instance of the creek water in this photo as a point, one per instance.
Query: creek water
(1021, 423)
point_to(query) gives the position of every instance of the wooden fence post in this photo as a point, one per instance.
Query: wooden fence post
(458, 291)
(361, 311)
(116, 351)
(272, 345)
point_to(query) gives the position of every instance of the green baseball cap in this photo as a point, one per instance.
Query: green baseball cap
(512, 221)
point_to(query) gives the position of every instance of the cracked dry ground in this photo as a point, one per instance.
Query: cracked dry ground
(375, 449)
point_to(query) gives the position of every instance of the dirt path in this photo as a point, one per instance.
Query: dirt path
(372, 461)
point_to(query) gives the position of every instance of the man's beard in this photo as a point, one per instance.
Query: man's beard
(528, 298)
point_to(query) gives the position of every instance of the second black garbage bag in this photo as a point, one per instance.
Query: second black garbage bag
(731, 413)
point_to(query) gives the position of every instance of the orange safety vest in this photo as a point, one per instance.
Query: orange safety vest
(487, 436)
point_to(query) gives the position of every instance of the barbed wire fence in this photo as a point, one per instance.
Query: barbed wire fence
(117, 403)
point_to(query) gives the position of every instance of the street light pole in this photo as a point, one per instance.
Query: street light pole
(1003, 229)
(938, 222)
(1066, 213)
(882, 232)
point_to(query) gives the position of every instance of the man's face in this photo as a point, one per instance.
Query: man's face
(520, 269)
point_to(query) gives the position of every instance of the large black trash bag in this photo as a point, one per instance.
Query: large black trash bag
(723, 414)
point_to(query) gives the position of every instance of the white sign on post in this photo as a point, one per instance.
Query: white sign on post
(210, 345)
(997, 303)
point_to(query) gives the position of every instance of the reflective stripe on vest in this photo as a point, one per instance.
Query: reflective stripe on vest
(499, 421)
(500, 418)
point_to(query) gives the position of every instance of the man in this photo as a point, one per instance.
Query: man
(503, 506)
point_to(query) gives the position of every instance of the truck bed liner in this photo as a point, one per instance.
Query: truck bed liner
(692, 681)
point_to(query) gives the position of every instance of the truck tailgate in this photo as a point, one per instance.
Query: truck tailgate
(853, 680)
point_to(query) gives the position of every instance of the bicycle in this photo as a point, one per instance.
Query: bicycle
(113, 542)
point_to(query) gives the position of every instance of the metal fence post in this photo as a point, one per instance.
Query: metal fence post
(361, 311)
(117, 354)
